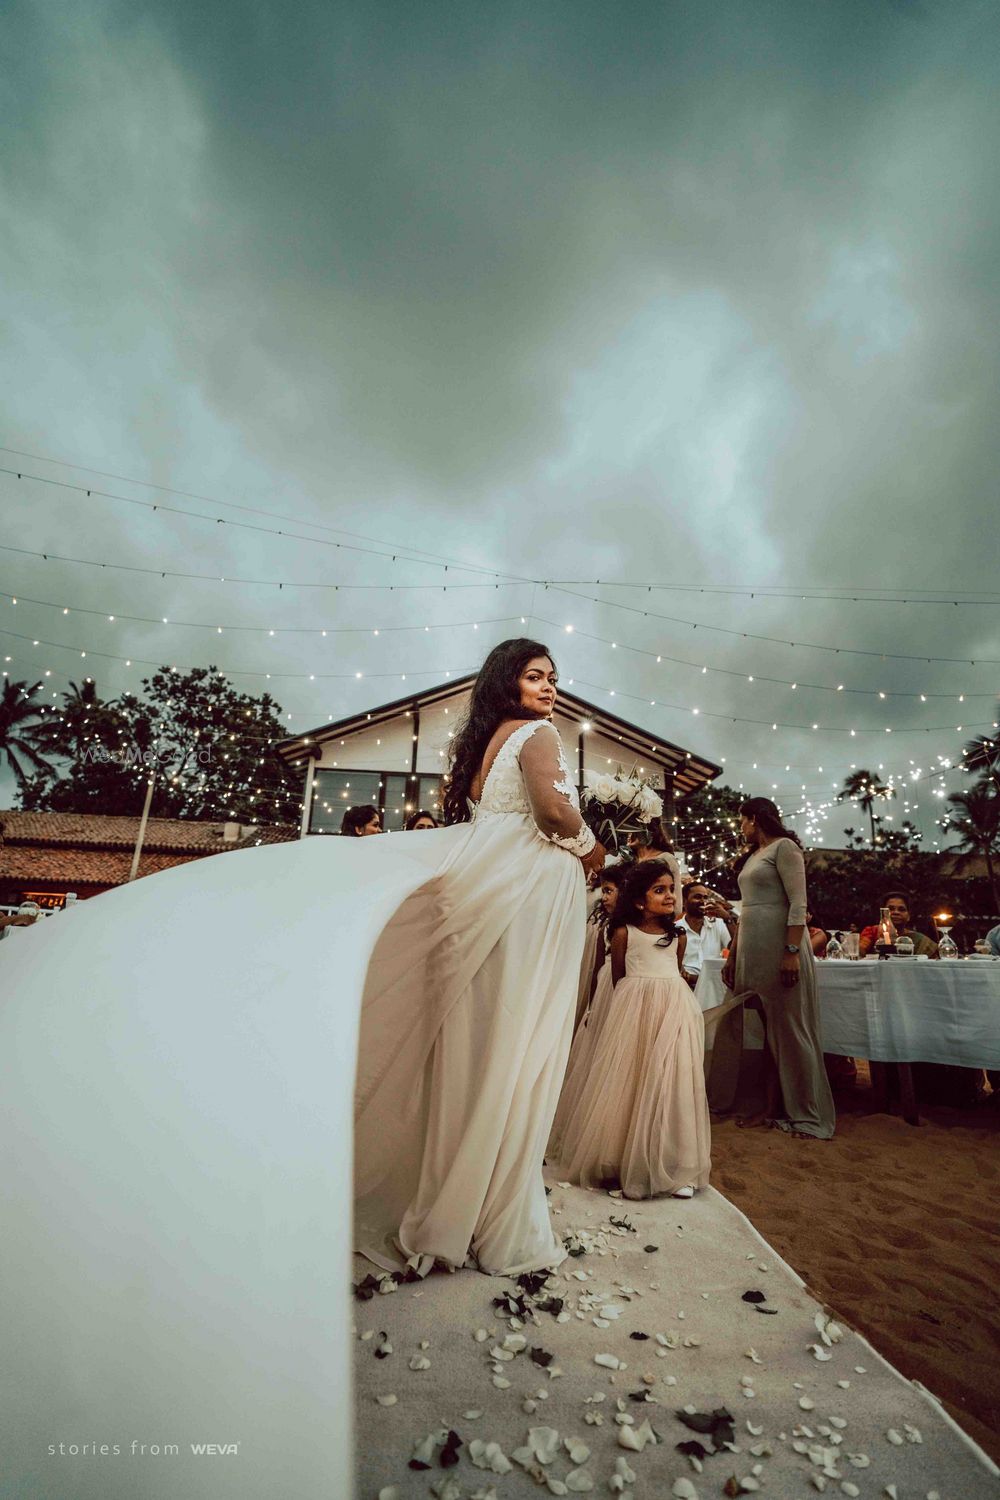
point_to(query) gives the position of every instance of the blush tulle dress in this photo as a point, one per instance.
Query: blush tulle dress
(634, 1108)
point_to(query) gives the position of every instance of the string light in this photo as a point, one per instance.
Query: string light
(264, 629)
(854, 594)
(328, 630)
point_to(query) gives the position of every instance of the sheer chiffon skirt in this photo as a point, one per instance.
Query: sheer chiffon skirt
(592, 934)
(640, 1116)
(581, 1060)
(466, 1023)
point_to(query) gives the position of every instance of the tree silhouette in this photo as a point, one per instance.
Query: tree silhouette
(20, 716)
(975, 817)
(982, 755)
(864, 788)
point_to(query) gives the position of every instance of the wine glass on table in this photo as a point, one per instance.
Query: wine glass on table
(947, 947)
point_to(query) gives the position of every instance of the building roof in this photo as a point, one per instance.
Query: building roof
(72, 867)
(80, 849)
(98, 831)
(690, 771)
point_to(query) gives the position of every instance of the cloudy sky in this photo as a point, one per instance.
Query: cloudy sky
(675, 296)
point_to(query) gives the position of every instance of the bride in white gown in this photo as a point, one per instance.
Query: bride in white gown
(177, 1067)
(468, 1009)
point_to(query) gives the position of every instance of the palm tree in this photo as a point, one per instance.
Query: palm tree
(863, 787)
(20, 717)
(83, 713)
(982, 754)
(975, 817)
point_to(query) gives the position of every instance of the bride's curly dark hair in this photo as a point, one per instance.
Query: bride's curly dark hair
(495, 697)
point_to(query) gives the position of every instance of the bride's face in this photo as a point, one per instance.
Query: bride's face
(538, 687)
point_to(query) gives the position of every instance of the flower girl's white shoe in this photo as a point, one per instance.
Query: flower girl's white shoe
(684, 1192)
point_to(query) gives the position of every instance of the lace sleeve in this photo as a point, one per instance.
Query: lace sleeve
(550, 792)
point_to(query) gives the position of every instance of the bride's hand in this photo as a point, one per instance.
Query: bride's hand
(594, 861)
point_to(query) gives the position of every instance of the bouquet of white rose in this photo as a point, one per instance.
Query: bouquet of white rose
(615, 807)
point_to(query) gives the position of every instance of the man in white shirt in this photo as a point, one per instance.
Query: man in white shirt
(710, 925)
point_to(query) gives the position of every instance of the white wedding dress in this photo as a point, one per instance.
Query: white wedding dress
(177, 1071)
(466, 1026)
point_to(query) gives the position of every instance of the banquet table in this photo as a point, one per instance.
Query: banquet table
(900, 1011)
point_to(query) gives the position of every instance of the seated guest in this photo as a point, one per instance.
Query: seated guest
(818, 939)
(418, 820)
(709, 922)
(359, 822)
(898, 906)
(993, 940)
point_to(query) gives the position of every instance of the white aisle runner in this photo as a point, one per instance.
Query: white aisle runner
(844, 1422)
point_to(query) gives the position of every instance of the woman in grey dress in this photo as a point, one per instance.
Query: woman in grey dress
(771, 967)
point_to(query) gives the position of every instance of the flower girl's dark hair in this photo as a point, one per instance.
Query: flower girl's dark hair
(638, 879)
(610, 875)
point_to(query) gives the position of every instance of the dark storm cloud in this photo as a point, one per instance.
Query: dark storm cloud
(684, 291)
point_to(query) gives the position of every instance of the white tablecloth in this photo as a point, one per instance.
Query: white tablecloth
(900, 1011)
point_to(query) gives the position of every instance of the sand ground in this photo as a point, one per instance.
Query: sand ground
(896, 1227)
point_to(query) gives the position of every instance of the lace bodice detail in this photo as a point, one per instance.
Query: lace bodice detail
(530, 776)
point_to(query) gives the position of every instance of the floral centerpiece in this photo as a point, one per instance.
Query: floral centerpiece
(615, 807)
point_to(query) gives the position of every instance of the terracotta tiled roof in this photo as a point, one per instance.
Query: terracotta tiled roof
(70, 867)
(95, 831)
(277, 833)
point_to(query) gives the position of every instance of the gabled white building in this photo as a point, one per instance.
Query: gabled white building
(394, 757)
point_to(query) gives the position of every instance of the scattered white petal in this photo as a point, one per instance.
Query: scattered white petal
(684, 1490)
(501, 1382)
(607, 1361)
(578, 1481)
(913, 1434)
(578, 1452)
(749, 1484)
(807, 1403)
(818, 1352)
(489, 1456)
(849, 1488)
(752, 1354)
(895, 1437)
(544, 1443)
(473, 1415)
(891, 1491)
(859, 1460)
(447, 1488)
(390, 1492)
(420, 1362)
(839, 1422)
(754, 1430)
(845, 1385)
(386, 1400)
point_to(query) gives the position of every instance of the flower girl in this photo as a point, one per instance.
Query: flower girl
(638, 1115)
(595, 946)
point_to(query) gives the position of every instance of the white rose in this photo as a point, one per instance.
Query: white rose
(650, 805)
(603, 788)
(632, 796)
